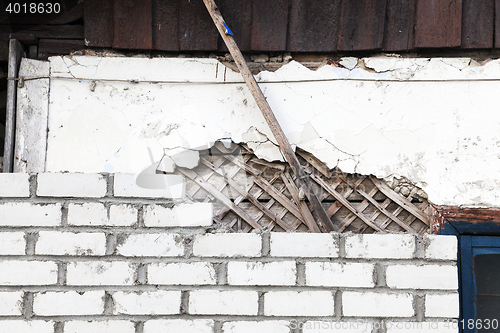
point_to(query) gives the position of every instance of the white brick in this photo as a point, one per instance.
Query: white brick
(441, 247)
(193, 273)
(21, 326)
(298, 303)
(371, 304)
(108, 326)
(159, 302)
(256, 326)
(445, 306)
(215, 302)
(19, 273)
(122, 215)
(14, 185)
(149, 186)
(150, 245)
(10, 303)
(12, 243)
(68, 303)
(182, 215)
(422, 277)
(330, 326)
(100, 273)
(389, 246)
(339, 274)
(68, 243)
(304, 245)
(76, 185)
(421, 327)
(227, 245)
(262, 274)
(179, 325)
(24, 214)
(89, 213)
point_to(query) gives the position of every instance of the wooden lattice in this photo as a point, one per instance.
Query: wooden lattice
(250, 193)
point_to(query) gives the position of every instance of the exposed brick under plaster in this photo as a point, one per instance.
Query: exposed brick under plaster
(75, 258)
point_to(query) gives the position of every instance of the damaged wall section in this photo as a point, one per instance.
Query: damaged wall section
(432, 121)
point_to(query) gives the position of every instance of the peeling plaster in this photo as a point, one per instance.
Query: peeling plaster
(434, 121)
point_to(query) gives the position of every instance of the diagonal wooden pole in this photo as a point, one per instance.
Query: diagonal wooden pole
(304, 183)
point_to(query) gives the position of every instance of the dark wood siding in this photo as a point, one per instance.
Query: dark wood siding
(280, 25)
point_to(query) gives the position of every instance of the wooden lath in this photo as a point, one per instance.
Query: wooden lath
(249, 193)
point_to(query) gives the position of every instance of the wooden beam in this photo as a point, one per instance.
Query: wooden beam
(304, 182)
(15, 55)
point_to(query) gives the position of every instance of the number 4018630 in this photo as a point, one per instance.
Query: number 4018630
(33, 8)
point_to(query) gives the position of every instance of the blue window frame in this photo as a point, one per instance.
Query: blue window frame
(480, 283)
(478, 233)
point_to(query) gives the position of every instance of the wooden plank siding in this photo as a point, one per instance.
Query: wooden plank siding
(295, 25)
(438, 23)
(362, 25)
(400, 25)
(313, 26)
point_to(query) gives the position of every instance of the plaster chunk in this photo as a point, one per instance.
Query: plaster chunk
(267, 151)
(184, 158)
(167, 164)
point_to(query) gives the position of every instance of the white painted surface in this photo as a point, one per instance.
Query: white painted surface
(68, 303)
(433, 121)
(32, 117)
(147, 303)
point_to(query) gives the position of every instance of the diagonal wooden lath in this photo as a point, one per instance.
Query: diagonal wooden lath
(303, 181)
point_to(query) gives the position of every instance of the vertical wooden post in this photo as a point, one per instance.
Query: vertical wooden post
(304, 183)
(15, 55)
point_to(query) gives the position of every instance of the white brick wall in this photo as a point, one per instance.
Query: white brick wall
(215, 302)
(89, 213)
(298, 303)
(159, 302)
(373, 304)
(24, 214)
(12, 243)
(444, 306)
(304, 245)
(440, 247)
(227, 245)
(193, 273)
(149, 186)
(151, 245)
(22, 326)
(122, 215)
(76, 185)
(68, 303)
(11, 303)
(183, 215)
(14, 185)
(115, 263)
(396, 246)
(22, 273)
(261, 274)
(422, 277)
(68, 243)
(179, 325)
(271, 326)
(108, 326)
(100, 273)
(95, 214)
(339, 274)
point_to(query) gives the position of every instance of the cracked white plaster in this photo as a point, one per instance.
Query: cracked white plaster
(434, 121)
